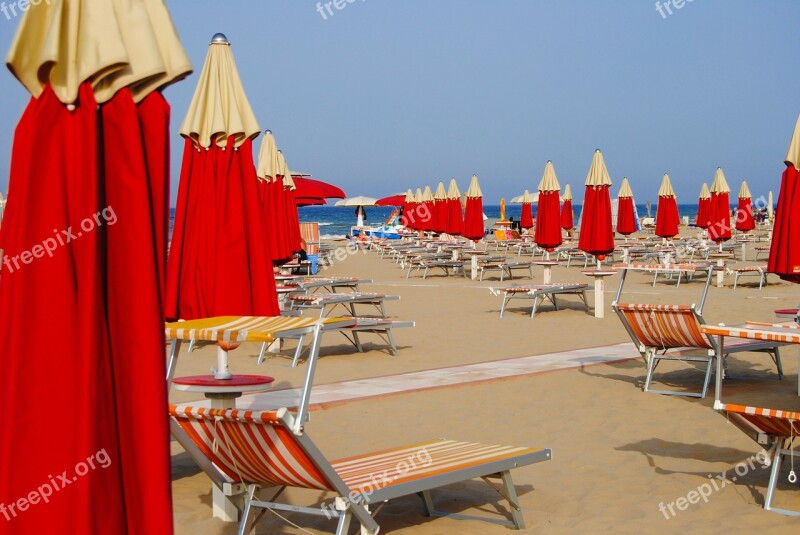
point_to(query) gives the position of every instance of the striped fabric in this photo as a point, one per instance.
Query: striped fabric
(768, 421)
(237, 328)
(250, 447)
(785, 335)
(320, 298)
(367, 473)
(310, 233)
(660, 267)
(664, 326)
(540, 287)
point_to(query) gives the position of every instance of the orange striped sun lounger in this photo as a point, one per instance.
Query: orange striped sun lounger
(540, 292)
(779, 431)
(267, 449)
(656, 329)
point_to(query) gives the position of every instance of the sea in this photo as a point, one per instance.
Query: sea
(335, 221)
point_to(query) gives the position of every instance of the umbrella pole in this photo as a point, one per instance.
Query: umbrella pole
(222, 371)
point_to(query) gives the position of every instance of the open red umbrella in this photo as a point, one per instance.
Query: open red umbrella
(526, 215)
(218, 263)
(455, 217)
(703, 208)
(567, 217)
(85, 447)
(784, 252)
(473, 213)
(596, 234)
(548, 228)
(312, 188)
(744, 212)
(719, 221)
(667, 216)
(398, 199)
(626, 217)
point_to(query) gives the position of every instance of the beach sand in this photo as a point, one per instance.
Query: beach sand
(618, 453)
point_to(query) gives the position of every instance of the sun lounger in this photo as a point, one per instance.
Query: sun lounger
(776, 430)
(656, 329)
(320, 301)
(540, 292)
(757, 271)
(268, 449)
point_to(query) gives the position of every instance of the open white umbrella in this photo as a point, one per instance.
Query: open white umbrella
(359, 202)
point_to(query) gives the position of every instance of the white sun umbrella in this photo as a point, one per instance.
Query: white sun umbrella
(359, 202)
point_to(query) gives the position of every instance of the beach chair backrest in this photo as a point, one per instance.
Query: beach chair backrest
(772, 422)
(391, 219)
(253, 447)
(663, 326)
(310, 233)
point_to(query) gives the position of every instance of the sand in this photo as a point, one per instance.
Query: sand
(618, 453)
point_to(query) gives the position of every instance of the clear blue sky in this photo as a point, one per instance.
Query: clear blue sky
(387, 94)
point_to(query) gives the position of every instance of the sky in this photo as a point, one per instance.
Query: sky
(383, 95)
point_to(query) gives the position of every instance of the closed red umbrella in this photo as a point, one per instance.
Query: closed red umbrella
(84, 263)
(440, 208)
(427, 210)
(567, 217)
(455, 218)
(271, 195)
(407, 220)
(291, 221)
(626, 217)
(526, 216)
(667, 217)
(548, 227)
(784, 252)
(398, 199)
(596, 234)
(703, 208)
(218, 263)
(719, 220)
(744, 212)
(473, 213)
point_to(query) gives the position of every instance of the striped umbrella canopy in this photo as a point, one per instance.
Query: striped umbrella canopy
(626, 217)
(567, 217)
(455, 218)
(526, 219)
(667, 217)
(95, 137)
(596, 234)
(473, 213)
(784, 252)
(744, 211)
(440, 208)
(548, 229)
(703, 207)
(719, 225)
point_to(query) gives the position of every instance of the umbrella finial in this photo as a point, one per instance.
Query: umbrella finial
(219, 39)
(267, 132)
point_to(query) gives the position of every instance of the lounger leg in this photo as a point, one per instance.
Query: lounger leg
(651, 366)
(503, 306)
(392, 345)
(344, 522)
(776, 358)
(248, 501)
(708, 377)
(427, 502)
(510, 494)
(298, 351)
(775, 456)
(535, 304)
(174, 351)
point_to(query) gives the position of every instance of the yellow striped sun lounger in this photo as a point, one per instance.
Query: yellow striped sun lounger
(267, 449)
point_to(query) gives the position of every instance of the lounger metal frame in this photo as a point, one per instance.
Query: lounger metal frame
(540, 292)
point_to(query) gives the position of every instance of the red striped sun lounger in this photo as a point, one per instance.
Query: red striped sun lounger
(261, 450)
(779, 431)
(656, 329)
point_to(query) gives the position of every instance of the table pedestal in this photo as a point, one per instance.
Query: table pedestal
(547, 275)
(599, 276)
(223, 394)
